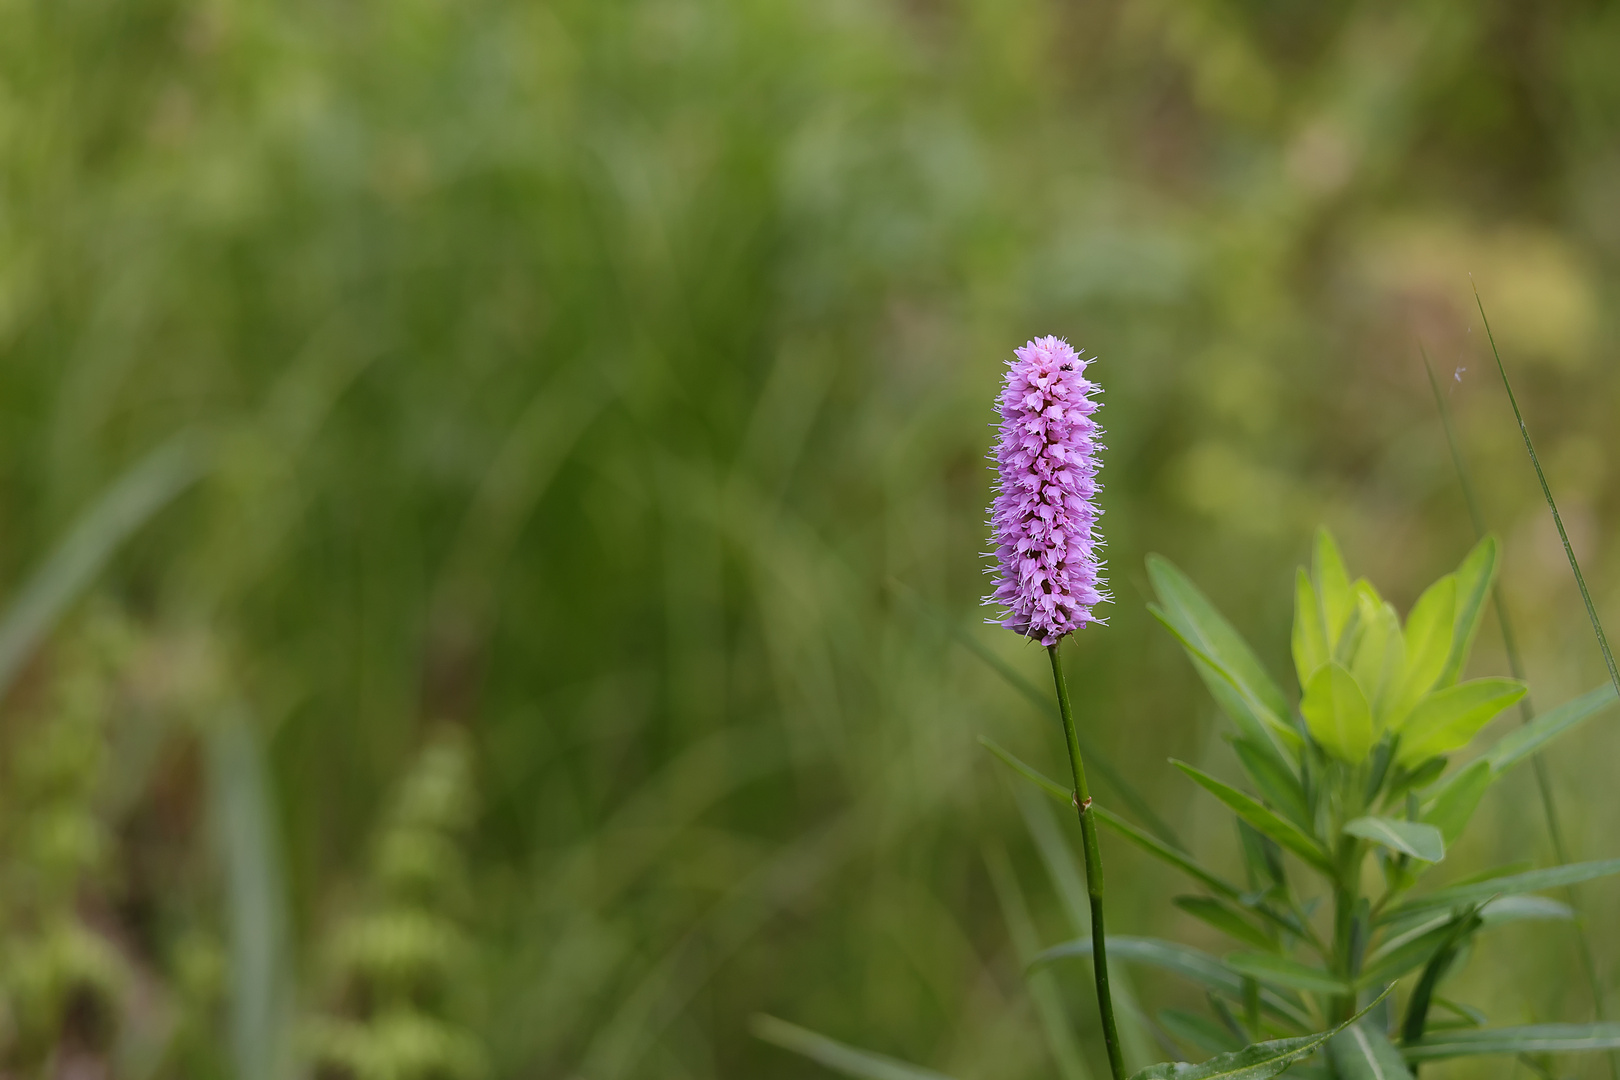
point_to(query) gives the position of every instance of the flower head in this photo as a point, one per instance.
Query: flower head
(1048, 575)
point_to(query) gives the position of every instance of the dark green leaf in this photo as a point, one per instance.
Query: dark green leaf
(1198, 1031)
(1362, 1052)
(1531, 1039)
(1223, 918)
(837, 1056)
(1533, 881)
(1275, 781)
(1281, 971)
(1407, 837)
(1251, 810)
(1454, 802)
(1183, 960)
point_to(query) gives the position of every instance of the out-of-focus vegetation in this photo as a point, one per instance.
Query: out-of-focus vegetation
(550, 661)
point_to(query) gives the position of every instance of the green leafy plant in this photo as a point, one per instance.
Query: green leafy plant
(1359, 775)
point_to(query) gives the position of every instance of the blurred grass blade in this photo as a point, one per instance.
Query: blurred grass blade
(1179, 859)
(1530, 1039)
(1510, 644)
(840, 1058)
(1530, 738)
(148, 486)
(1043, 988)
(245, 830)
(1546, 491)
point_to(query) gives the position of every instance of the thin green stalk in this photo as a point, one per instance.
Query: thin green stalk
(1591, 613)
(1094, 874)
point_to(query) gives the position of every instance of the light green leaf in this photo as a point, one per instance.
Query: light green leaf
(1234, 674)
(837, 1056)
(1510, 909)
(1185, 961)
(1474, 579)
(1337, 715)
(1250, 809)
(1512, 885)
(1224, 919)
(1362, 1052)
(1380, 655)
(1332, 587)
(1310, 647)
(1200, 1031)
(1531, 1039)
(1454, 802)
(1449, 719)
(1260, 1061)
(1275, 781)
(1530, 738)
(1407, 837)
(1281, 971)
(1429, 630)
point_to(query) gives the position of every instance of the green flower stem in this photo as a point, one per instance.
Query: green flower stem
(1094, 874)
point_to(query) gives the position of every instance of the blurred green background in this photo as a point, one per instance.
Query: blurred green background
(535, 646)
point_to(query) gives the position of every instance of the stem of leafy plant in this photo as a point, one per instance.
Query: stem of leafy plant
(1094, 873)
(1554, 829)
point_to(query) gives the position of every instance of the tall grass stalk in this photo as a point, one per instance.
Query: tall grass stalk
(1588, 962)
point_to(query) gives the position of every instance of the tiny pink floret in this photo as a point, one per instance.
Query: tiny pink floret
(1044, 515)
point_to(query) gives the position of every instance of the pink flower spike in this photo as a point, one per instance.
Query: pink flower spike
(1048, 575)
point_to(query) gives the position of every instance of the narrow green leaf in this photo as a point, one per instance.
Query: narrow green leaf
(1337, 714)
(1199, 1031)
(1254, 719)
(147, 487)
(1332, 586)
(1250, 809)
(1530, 738)
(1281, 971)
(1474, 578)
(1275, 781)
(1363, 1052)
(1183, 960)
(1510, 909)
(1407, 837)
(1408, 951)
(837, 1056)
(1449, 719)
(1225, 919)
(1309, 641)
(1454, 803)
(1142, 839)
(1429, 630)
(1259, 707)
(1512, 885)
(1260, 1061)
(1531, 1039)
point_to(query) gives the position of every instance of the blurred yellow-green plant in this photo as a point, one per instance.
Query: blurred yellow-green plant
(609, 380)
